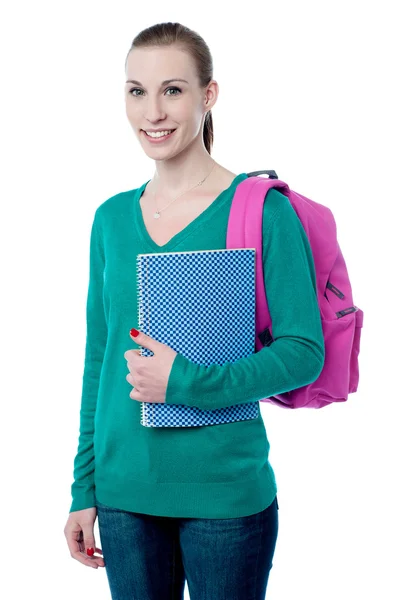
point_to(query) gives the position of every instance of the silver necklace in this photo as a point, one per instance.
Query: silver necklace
(157, 214)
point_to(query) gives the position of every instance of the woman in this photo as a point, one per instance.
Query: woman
(196, 503)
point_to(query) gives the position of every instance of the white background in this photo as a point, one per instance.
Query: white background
(306, 88)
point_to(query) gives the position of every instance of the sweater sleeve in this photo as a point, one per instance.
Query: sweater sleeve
(296, 356)
(82, 488)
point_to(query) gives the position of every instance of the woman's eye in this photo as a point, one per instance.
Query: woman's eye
(139, 90)
(174, 88)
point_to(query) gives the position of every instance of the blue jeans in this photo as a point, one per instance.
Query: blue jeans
(149, 557)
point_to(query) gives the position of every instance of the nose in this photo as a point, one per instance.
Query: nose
(154, 110)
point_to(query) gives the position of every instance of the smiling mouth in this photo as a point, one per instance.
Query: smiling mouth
(170, 130)
(158, 139)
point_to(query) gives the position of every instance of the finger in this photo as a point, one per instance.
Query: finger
(75, 548)
(135, 395)
(81, 545)
(89, 542)
(129, 354)
(97, 559)
(88, 561)
(128, 378)
(142, 339)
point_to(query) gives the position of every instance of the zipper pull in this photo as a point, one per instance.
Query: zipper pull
(346, 311)
(335, 290)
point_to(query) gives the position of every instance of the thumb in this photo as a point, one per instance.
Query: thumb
(143, 339)
(89, 542)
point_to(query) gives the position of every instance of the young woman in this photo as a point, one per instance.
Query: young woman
(195, 504)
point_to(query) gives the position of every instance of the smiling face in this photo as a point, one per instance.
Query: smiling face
(157, 101)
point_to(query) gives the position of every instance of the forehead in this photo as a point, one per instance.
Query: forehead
(159, 63)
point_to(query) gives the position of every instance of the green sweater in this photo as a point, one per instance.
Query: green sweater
(217, 471)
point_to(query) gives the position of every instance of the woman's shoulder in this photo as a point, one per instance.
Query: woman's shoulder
(115, 203)
(276, 206)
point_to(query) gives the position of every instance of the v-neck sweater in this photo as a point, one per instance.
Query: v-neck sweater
(218, 471)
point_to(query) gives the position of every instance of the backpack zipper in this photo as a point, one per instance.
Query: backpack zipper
(346, 311)
(335, 290)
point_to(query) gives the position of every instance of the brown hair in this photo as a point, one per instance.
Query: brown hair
(167, 34)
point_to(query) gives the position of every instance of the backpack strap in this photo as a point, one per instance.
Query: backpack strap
(244, 230)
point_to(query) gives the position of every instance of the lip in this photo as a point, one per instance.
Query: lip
(159, 140)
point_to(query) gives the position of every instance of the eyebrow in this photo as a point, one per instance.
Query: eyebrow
(165, 82)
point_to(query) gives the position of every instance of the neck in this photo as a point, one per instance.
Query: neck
(177, 174)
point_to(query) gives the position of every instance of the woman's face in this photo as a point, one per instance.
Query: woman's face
(178, 105)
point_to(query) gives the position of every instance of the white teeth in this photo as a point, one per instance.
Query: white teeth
(158, 133)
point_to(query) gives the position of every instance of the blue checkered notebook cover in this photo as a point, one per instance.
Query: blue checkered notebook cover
(202, 304)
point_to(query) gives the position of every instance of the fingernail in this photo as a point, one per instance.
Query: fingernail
(134, 332)
(90, 551)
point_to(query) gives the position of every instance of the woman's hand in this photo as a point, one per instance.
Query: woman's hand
(79, 532)
(149, 374)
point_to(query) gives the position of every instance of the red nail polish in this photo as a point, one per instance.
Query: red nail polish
(90, 551)
(134, 332)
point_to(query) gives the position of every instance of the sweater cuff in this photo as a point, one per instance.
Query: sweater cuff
(182, 375)
(83, 500)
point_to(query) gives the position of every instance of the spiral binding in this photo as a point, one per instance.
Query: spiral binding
(145, 407)
(140, 312)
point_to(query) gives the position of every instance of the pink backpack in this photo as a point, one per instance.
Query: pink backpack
(341, 320)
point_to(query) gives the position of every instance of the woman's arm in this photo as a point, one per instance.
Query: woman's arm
(296, 356)
(82, 488)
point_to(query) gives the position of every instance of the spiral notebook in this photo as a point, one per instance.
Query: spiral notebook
(202, 304)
